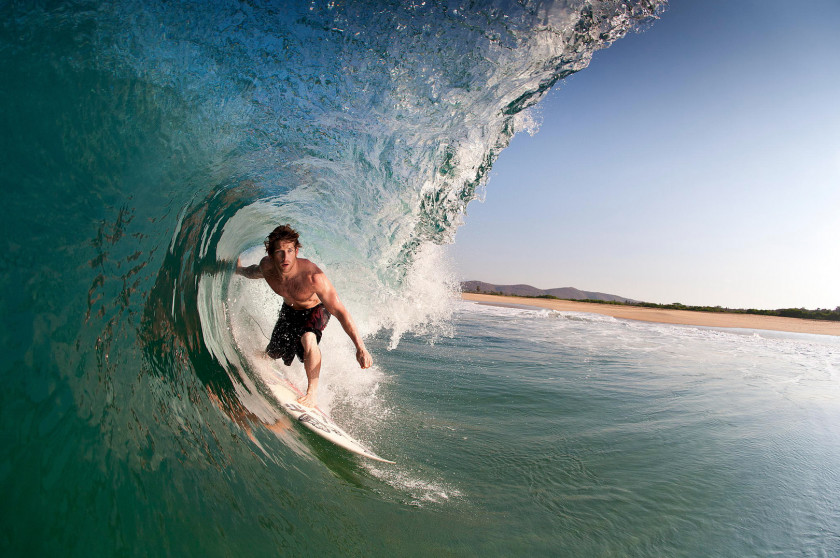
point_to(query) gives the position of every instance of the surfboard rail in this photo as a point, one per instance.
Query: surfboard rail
(317, 421)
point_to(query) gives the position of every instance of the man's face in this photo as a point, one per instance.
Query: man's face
(284, 256)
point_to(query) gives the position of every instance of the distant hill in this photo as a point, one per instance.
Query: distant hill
(569, 293)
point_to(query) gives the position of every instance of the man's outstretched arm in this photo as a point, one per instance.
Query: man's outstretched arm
(250, 272)
(326, 292)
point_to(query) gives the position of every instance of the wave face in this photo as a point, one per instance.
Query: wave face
(146, 146)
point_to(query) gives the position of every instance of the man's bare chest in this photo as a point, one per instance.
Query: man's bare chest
(295, 291)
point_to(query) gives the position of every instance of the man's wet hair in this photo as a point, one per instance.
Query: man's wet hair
(283, 233)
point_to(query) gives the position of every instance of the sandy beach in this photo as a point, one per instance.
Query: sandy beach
(682, 317)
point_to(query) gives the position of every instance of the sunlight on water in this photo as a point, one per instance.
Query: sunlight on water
(632, 438)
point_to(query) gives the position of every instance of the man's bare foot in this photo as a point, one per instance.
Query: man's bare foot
(307, 400)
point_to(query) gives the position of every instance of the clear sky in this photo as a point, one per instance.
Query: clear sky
(697, 161)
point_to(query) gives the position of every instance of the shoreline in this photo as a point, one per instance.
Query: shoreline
(665, 316)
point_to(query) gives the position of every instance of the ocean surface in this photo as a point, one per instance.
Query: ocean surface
(146, 145)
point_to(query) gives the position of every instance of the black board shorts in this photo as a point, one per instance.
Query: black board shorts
(290, 327)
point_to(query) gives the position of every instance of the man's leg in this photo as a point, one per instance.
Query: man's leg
(283, 343)
(312, 365)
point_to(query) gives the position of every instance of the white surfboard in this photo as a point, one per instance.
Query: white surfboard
(317, 420)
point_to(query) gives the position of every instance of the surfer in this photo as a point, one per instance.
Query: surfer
(309, 299)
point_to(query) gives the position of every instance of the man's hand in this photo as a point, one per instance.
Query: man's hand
(250, 272)
(363, 357)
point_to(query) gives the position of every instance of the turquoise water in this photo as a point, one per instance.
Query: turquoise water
(146, 145)
(580, 435)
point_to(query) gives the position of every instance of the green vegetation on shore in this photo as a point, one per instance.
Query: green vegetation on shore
(819, 314)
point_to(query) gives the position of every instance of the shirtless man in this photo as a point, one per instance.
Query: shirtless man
(308, 301)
